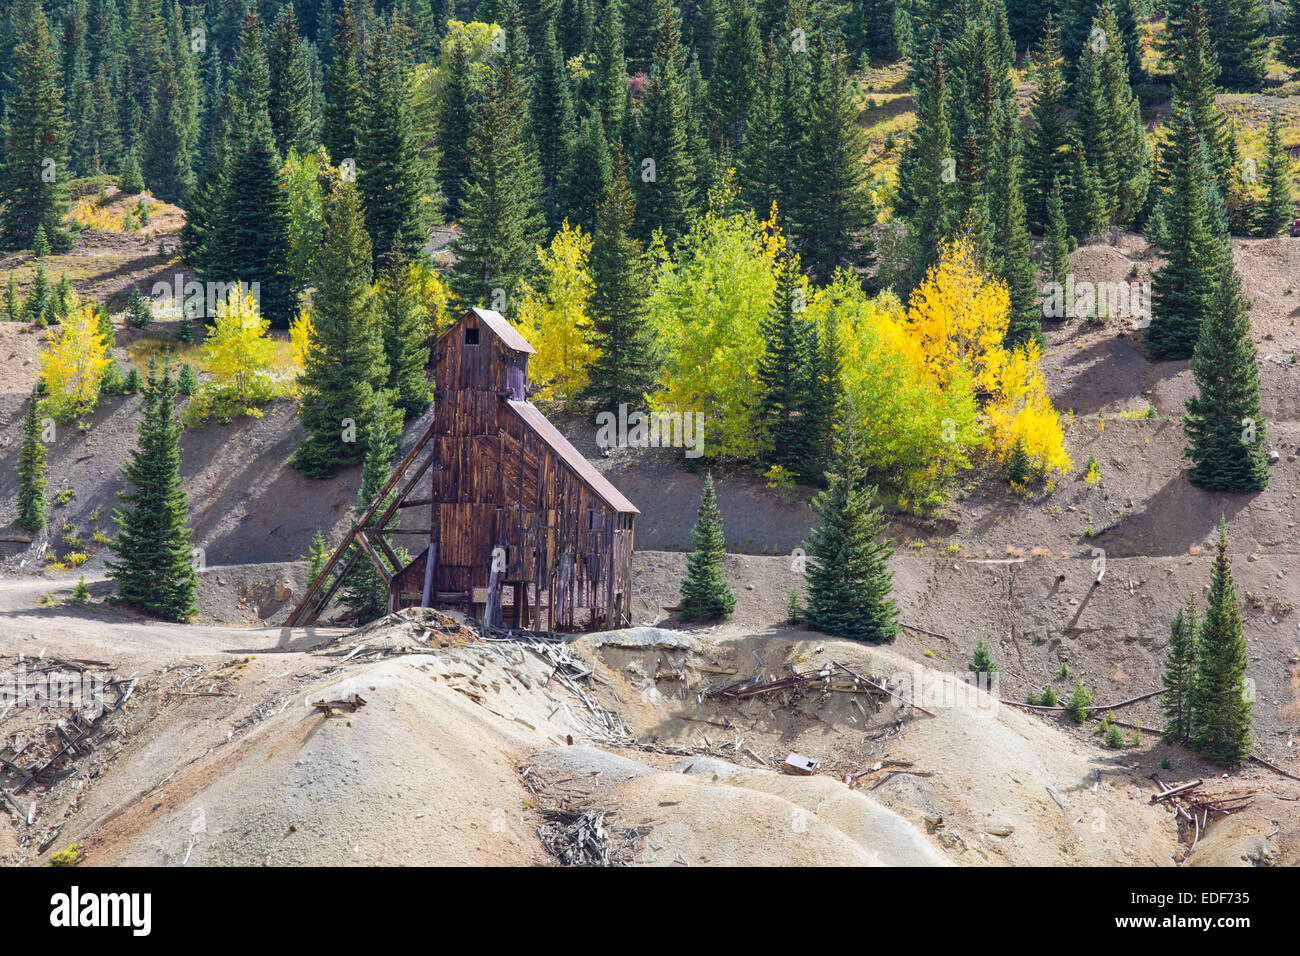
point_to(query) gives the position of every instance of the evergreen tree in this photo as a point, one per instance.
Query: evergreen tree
(787, 372)
(501, 227)
(735, 74)
(317, 555)
(1077, 705)
(187, 383)
(849, 581)
(666, 190)
(834, 216)
(154, 569)
(168, 164)
(13, 308)
(344, 106)
(1077, 18)
(251, 235)
(1224, 423)
(455, 122)
(1111, 136)
(138, 311)
(1180, 675)
(35, 134)
(1056, 250)
(1220, 711)
(611, 72)
(1278, 207)
(627, 361)
(131, 181)
(1048, 147)
(1195, 75)
(1288, 48)
(1182, 289)
(586, 173)
(705, 592)
(344, 367)
(31, 470)
(1241, 39)
(106, 133)
(365, 590)
(981, 662)
(405, 348)
(388, 165)
(554, 128)
(926, 175)
(1011, 237)
(290, 100)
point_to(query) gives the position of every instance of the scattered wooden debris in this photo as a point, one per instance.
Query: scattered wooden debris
(352, 703)
(1196, 810)
(821, 679)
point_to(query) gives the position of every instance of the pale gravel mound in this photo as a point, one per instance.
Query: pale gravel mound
(421, 775)
(893, 840)
(691, 820)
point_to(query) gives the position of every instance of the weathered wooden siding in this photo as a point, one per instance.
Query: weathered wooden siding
(566, 552)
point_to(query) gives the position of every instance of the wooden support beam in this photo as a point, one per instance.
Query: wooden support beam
(296, 615)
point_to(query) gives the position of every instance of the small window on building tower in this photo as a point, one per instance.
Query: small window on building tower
(471, 335)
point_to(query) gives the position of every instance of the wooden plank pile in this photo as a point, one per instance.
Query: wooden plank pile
(827, 678)
(72, 736)
(1195, 809)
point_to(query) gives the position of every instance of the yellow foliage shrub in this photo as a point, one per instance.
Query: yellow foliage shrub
(72, 363)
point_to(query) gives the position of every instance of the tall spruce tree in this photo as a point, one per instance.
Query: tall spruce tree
(344, 368)
(344, 97)
(1183, 288)
(293, 121)
(627, 360)
(611, 72)
(35, 133)
(666, 181)
(1224, 423)
(1056, 248)
(1111, 136)
(586, 173)
(168, 165)
(154, 566)
(554, 127)
(787, 373)
(735, 74)
(1288, 48)
(1180, 675)
(1241, 39)
(832, 220)
(455, 123)
(1011, 236)
(388, 164)
(849, 581)
(705, 592)
(1047, 151)
(31, 470)
(1221, 716)
(1278, 206)
(927, 172)
(501, 227)
(405, 340)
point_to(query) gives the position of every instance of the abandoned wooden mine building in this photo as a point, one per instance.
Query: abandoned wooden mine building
(521, 528)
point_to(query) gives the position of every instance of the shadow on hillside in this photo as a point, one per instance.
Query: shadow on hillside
(1173, 520)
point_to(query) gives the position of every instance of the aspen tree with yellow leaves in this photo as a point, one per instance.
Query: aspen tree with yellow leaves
(238, 356)
(554, 317)
(72, 364)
